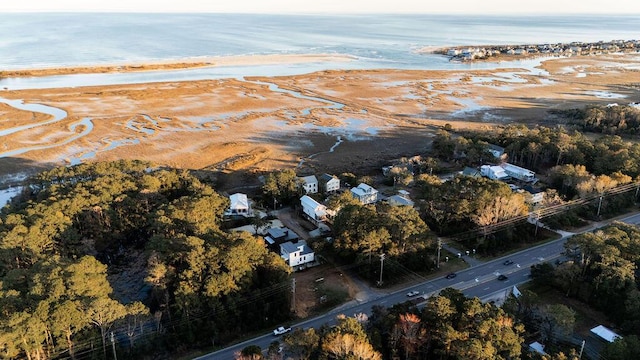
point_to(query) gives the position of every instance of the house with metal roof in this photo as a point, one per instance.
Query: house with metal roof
(313, 209)
(240, 205)
(365, 193)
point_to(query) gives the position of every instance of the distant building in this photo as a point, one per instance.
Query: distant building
(329, 183)
(309, 184)
(296, 253)
(365, 194)
(497, 151)
(400, 199)
(240, 205)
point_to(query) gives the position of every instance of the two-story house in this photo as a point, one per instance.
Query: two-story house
(296, 253)
(309, 184)
(365, 194)
(329, 183)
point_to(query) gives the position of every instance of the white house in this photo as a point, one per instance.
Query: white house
(329, 183)
(309, 184)
(493, 172)
(365, 193)
(296, 254)
(240, 205)
(533, 196)
(313, 209)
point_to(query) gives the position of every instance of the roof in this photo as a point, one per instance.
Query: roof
(400, 200)
(290, 247)
(282, 233)
(531, 189)
(277, 233)
(605, 333)
(495, 148)
(363, 189)
(537, 347)
(239, 201)
(308, 201)
(309, 179)
(326, 177)
(469, 171)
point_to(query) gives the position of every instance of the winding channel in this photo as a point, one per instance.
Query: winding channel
(133, 124)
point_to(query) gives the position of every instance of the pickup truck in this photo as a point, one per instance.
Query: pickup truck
(281, 330)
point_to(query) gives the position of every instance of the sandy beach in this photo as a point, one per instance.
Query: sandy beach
(175, 64)
(333, 121)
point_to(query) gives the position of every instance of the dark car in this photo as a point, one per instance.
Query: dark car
(451, 276)
(508, 262)
(502, 277)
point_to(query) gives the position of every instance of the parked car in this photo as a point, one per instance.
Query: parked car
(451, 276)
(413, 293)
(508, 262)
(502, 277)
(281, 330)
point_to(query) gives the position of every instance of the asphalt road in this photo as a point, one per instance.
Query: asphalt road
(480, 281)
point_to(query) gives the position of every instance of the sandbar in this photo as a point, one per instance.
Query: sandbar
(175, 64)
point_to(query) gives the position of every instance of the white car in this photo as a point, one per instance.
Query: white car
(281, 330)
(413, 293)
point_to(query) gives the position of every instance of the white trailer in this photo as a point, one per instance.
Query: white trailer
(519, 173)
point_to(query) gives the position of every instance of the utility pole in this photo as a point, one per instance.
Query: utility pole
(293, 297)
(599, 204)
(581, 349)
(439, 247)
(113, 346)
(381, 268)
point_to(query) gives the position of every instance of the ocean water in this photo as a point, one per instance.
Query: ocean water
(37, 40)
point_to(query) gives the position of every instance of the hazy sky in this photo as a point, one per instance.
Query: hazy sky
(333, 6)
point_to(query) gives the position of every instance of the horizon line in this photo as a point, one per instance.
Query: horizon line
(328, 13)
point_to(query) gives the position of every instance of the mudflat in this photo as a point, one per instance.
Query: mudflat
(328, 121)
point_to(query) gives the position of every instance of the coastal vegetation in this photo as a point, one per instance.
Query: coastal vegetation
(601, 272)
(139, 251)
(613, 119)
(79, 239)
(450, 326)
